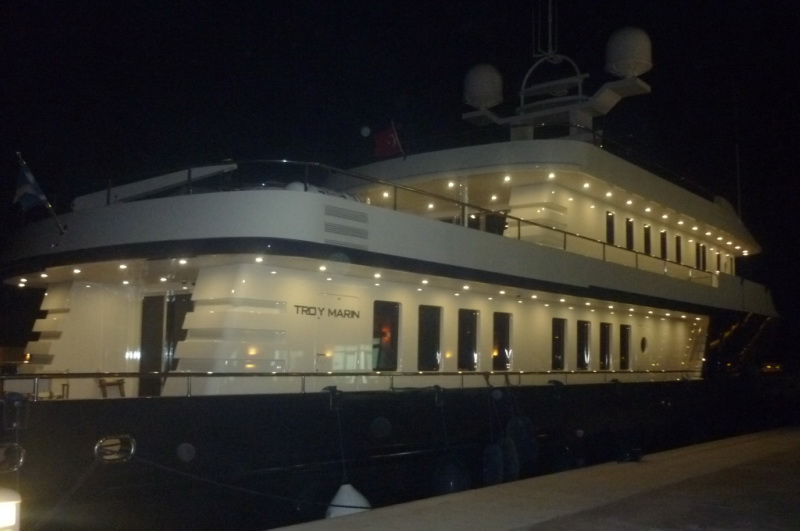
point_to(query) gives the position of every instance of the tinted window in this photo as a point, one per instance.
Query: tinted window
(430, 332)
(558, 340)
(624, 347)
(467, 340)
(501, 344)
(584, 342)
(385, 328)
(605, 346)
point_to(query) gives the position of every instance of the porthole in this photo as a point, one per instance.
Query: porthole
(12, 455)
(115, 448)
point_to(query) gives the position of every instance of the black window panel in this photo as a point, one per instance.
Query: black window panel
(385, 332)
(624, 347)
(610, 227)
(501, 344)
(678, 249)
(559, 343)
(648, 240)
(698, 262)
(664, 244)
(703, 264)
(605, 346)
(430, 333)
(629, 233)
(467, 340)
(584, 344)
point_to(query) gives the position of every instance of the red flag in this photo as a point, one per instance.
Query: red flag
(387, 143)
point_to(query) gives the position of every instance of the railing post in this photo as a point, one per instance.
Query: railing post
(36, 389)
(189, 386)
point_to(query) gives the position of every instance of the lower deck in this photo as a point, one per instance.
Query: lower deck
(261, 461)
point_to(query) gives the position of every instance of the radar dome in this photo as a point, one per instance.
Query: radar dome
(628, 53)
(483, 87)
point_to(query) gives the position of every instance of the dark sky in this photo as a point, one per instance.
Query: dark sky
(91, 91)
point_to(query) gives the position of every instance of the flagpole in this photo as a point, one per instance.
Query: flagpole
(61, 228)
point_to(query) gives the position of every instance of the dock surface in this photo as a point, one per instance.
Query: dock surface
(745, 482)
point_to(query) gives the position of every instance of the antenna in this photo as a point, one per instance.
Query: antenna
(540, 13)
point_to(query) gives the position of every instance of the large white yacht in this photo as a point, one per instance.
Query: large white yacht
(242, 332)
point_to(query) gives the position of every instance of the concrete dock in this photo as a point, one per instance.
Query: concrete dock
(746, 482)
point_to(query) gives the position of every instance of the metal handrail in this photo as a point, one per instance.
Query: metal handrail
(566, 375)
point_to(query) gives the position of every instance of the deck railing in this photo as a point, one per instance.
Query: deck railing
(58, 385)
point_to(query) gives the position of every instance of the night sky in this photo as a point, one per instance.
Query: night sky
(92, 91)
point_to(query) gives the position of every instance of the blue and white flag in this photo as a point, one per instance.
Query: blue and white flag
(29, 194)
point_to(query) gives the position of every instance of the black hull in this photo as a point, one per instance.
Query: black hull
(260, 461)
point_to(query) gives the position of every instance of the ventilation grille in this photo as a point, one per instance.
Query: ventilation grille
(347, 228)
(346, 213)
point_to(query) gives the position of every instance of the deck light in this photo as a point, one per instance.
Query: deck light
(9, 509)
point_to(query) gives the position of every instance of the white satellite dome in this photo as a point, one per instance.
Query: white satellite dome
(629, 53)
(483, 87)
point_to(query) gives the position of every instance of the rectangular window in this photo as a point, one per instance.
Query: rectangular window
(629, 234)
(429, 355)
(678, 249)
(624, 347)
(664, 245)
(559, 341)
(605, 346)
(648, 240)
(719, 262)
(501, 344)
(385, 331)
(697, 260)
(467, 340)
(610, 227)
(584, 344)
(703, 264)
